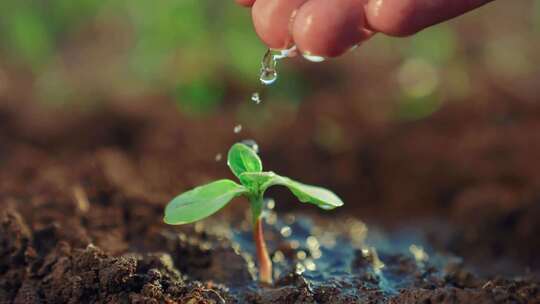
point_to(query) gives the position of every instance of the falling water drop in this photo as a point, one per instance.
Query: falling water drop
(256, 98)
(268, 68)
(269, 64)
(218, 157)
(237, 129)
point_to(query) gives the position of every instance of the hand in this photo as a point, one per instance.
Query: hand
(331, 27)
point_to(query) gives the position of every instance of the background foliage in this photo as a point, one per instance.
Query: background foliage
(202, 54)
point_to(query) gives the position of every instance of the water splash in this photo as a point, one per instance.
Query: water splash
(420, 255)
(327, 254)
(371, 254)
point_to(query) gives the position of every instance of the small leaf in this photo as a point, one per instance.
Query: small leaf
(242, 158)
(321, 197)
(258, 181)
(201, 202)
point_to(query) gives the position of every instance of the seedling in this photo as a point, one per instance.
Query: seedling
(203, 201)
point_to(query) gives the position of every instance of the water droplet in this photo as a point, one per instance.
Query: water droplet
(354, 47)
(290, 219)
(278, 257)
(271, 217)
(199, 227)
(316, 254)
(268, 77)
(281, 54)
(252, 144)
(372, 255)
(378, 265)
(268, 68)
(218, 157)
(270, 204)
(300, 269)
(312, 242)
(310, 265)
(269, 63)
(286, 231)
(237, 129)
(313, 58)
(256, 98)
(419, 254)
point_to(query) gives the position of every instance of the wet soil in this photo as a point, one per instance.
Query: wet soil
(438, 211)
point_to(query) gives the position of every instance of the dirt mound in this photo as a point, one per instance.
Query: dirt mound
(82, 199)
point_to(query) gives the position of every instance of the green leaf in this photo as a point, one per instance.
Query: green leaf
(242, 158)
(258, 181)
(321, 197)
(201, 202)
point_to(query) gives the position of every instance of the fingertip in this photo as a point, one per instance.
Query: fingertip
(406, 17)
(394, 18)
(329, 28)
(272, 20)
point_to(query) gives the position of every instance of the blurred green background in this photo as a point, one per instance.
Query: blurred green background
(203, 55)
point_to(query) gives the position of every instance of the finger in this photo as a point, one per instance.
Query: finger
(246, 3)
(406, 17)
(329, 28)
(272, 20)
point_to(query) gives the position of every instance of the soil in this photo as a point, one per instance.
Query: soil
(442, 210)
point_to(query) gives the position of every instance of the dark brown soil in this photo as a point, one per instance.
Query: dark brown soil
(82, 196)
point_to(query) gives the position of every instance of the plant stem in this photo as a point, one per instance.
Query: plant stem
(265, 264)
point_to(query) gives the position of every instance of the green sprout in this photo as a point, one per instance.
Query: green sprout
(203, 201)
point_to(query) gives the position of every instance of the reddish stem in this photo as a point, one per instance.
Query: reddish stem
(265, 264)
